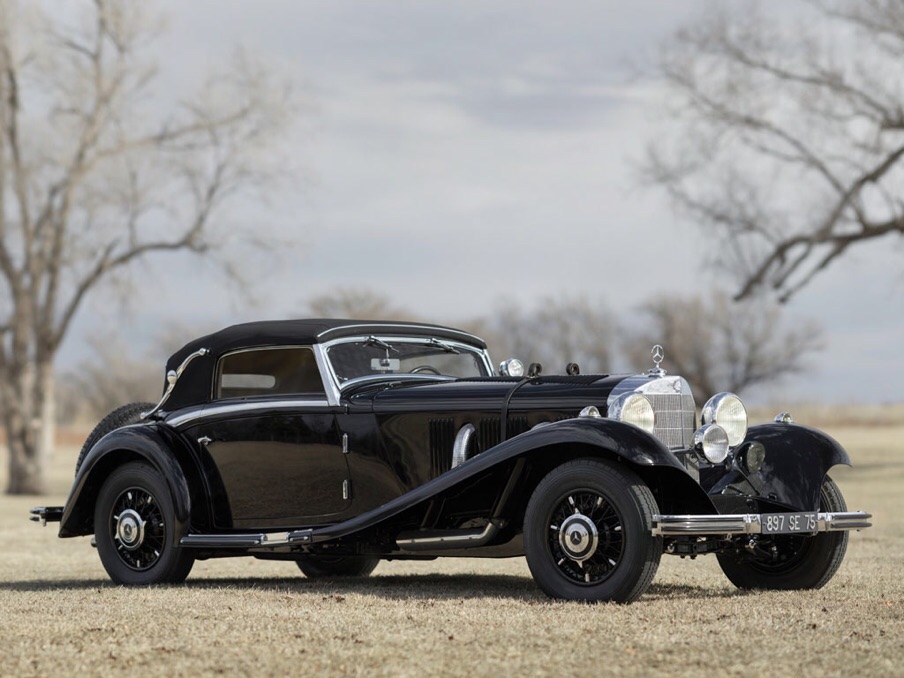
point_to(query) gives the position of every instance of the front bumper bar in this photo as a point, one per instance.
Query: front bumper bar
(750, 523)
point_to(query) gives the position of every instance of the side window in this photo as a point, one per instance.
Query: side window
(269, 371)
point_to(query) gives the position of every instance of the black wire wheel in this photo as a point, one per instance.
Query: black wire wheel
(588, 533)
(134, 529)
(792, 561)
(327, 567)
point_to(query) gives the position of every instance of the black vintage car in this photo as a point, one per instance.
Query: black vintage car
(337, 443)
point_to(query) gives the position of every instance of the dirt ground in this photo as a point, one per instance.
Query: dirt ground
(60, 615)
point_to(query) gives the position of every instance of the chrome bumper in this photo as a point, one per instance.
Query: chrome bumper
(750, 523)
(47, 514)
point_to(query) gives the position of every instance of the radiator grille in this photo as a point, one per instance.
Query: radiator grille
(674, 409)
(674, 419)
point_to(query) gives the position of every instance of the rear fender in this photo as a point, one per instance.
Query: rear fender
(141, 442)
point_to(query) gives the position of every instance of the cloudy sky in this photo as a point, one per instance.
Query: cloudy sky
(454, 154)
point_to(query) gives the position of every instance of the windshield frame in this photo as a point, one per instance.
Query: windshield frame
(482, 358)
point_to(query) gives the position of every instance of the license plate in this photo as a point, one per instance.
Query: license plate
(789, 523)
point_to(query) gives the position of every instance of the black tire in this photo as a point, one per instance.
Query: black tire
(123, 416)
(326, 567)
(134, 528)
(587, 533)
(800, 562)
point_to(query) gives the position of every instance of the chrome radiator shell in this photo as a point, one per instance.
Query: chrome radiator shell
(673, 406)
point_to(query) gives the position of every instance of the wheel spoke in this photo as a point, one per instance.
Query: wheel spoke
(137, 528)
(585, 537)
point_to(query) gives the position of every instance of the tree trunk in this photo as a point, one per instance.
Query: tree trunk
(28, 419)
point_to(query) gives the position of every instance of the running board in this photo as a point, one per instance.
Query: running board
(439, 540)
(248, 540)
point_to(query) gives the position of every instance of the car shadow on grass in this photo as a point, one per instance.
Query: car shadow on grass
(432, 587)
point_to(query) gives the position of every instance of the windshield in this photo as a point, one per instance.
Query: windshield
(385, 356)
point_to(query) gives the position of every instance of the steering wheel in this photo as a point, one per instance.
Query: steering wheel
(425, 368)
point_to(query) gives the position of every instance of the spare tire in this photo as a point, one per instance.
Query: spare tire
(122, 416)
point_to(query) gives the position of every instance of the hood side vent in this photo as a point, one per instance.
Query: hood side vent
(442, 440)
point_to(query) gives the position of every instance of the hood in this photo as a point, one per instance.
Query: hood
(489, 393)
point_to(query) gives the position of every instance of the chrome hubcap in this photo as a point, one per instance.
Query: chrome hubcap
(585, 539)
(137, 528)
(578, 537)
(129, 529)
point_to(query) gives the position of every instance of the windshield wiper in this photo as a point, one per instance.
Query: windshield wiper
(373, 341)
(433, 341)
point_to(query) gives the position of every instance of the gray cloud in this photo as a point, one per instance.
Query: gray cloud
(464, 151)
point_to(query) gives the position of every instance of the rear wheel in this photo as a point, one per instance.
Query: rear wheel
(587, 533)
(122, 416)
(794, 561)
(321, 567)
(134, 527)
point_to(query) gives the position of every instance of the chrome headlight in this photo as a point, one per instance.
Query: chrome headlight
(633, 408)
(511, 368)
(727, 410)
(712, 441)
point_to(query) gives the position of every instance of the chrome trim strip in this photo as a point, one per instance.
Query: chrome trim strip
(326, 374)
(237, 408)
(750, 523)
(395, 377)
(449, 539)
(172, 378)
(422, 329)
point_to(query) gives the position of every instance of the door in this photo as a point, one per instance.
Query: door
(279, 468)
(274, 455)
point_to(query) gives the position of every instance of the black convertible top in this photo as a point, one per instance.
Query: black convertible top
(194, 387)
(310, 331)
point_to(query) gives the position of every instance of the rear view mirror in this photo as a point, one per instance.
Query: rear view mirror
(385, 364)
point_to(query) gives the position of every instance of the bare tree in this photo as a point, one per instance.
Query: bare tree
(96, 174)
(791, 134)
(721, 345)
(360, 304)
(113, 375)
(554, 332)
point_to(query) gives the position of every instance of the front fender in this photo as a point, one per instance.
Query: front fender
(593, 436)
(622, 440)
(141, 442)
(797, 460)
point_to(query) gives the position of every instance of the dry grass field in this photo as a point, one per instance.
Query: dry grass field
(60, 615)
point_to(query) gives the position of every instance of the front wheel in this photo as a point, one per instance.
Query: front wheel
(793, 561)
(134, 526)
(587, 533)
(324, 567)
